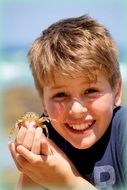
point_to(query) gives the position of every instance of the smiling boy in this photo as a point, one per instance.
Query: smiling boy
(76, 71)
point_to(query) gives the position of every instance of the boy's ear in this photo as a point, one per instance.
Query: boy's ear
(118, 92)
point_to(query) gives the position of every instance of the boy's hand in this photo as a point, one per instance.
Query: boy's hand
(38, 157)
(51, 171)
(30, 137)
(43, 162)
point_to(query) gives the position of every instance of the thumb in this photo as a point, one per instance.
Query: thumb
(55, 149)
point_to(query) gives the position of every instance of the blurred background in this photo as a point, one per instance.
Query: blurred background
(21, 21)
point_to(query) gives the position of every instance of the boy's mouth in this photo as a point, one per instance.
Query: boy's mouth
(80, 127)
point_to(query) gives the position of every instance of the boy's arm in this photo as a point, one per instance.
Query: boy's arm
(25, 182)
(54, 171)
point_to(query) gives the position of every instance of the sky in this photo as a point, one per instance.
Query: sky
(23, 21)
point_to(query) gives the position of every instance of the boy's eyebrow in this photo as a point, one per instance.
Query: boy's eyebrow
(57, 87)
(64, 86)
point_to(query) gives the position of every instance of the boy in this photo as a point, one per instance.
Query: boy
(76, 71)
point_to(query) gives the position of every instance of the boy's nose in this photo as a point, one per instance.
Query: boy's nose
(77, 109)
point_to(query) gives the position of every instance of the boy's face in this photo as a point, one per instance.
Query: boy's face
(82, 110)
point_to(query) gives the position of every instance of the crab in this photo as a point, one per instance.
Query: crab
(29, 117)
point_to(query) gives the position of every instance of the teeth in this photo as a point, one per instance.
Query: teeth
(81, 126)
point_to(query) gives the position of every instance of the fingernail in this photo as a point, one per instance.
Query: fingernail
(30, 124)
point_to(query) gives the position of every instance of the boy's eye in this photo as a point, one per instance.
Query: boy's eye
(91, 91)
(59, 96)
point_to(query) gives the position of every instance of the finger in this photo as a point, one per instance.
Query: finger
(29, 156)
(45, 147)
(21, 135)
(29, 137)
(30, 123)
(21, 163)
(36, 142)
(14, 153)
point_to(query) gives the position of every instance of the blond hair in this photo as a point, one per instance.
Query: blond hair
(74, 46)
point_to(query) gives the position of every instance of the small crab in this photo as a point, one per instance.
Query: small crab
(29, 117)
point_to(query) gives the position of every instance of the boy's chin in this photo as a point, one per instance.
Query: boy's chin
(84, 144)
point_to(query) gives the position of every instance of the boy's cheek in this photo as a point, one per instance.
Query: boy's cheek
(56, 110)
(104, 102)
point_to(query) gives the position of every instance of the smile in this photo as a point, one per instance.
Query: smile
(82, 126)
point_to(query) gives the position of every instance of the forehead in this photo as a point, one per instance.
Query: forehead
(64, 80)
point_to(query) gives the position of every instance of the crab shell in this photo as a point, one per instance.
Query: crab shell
(29, 117)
